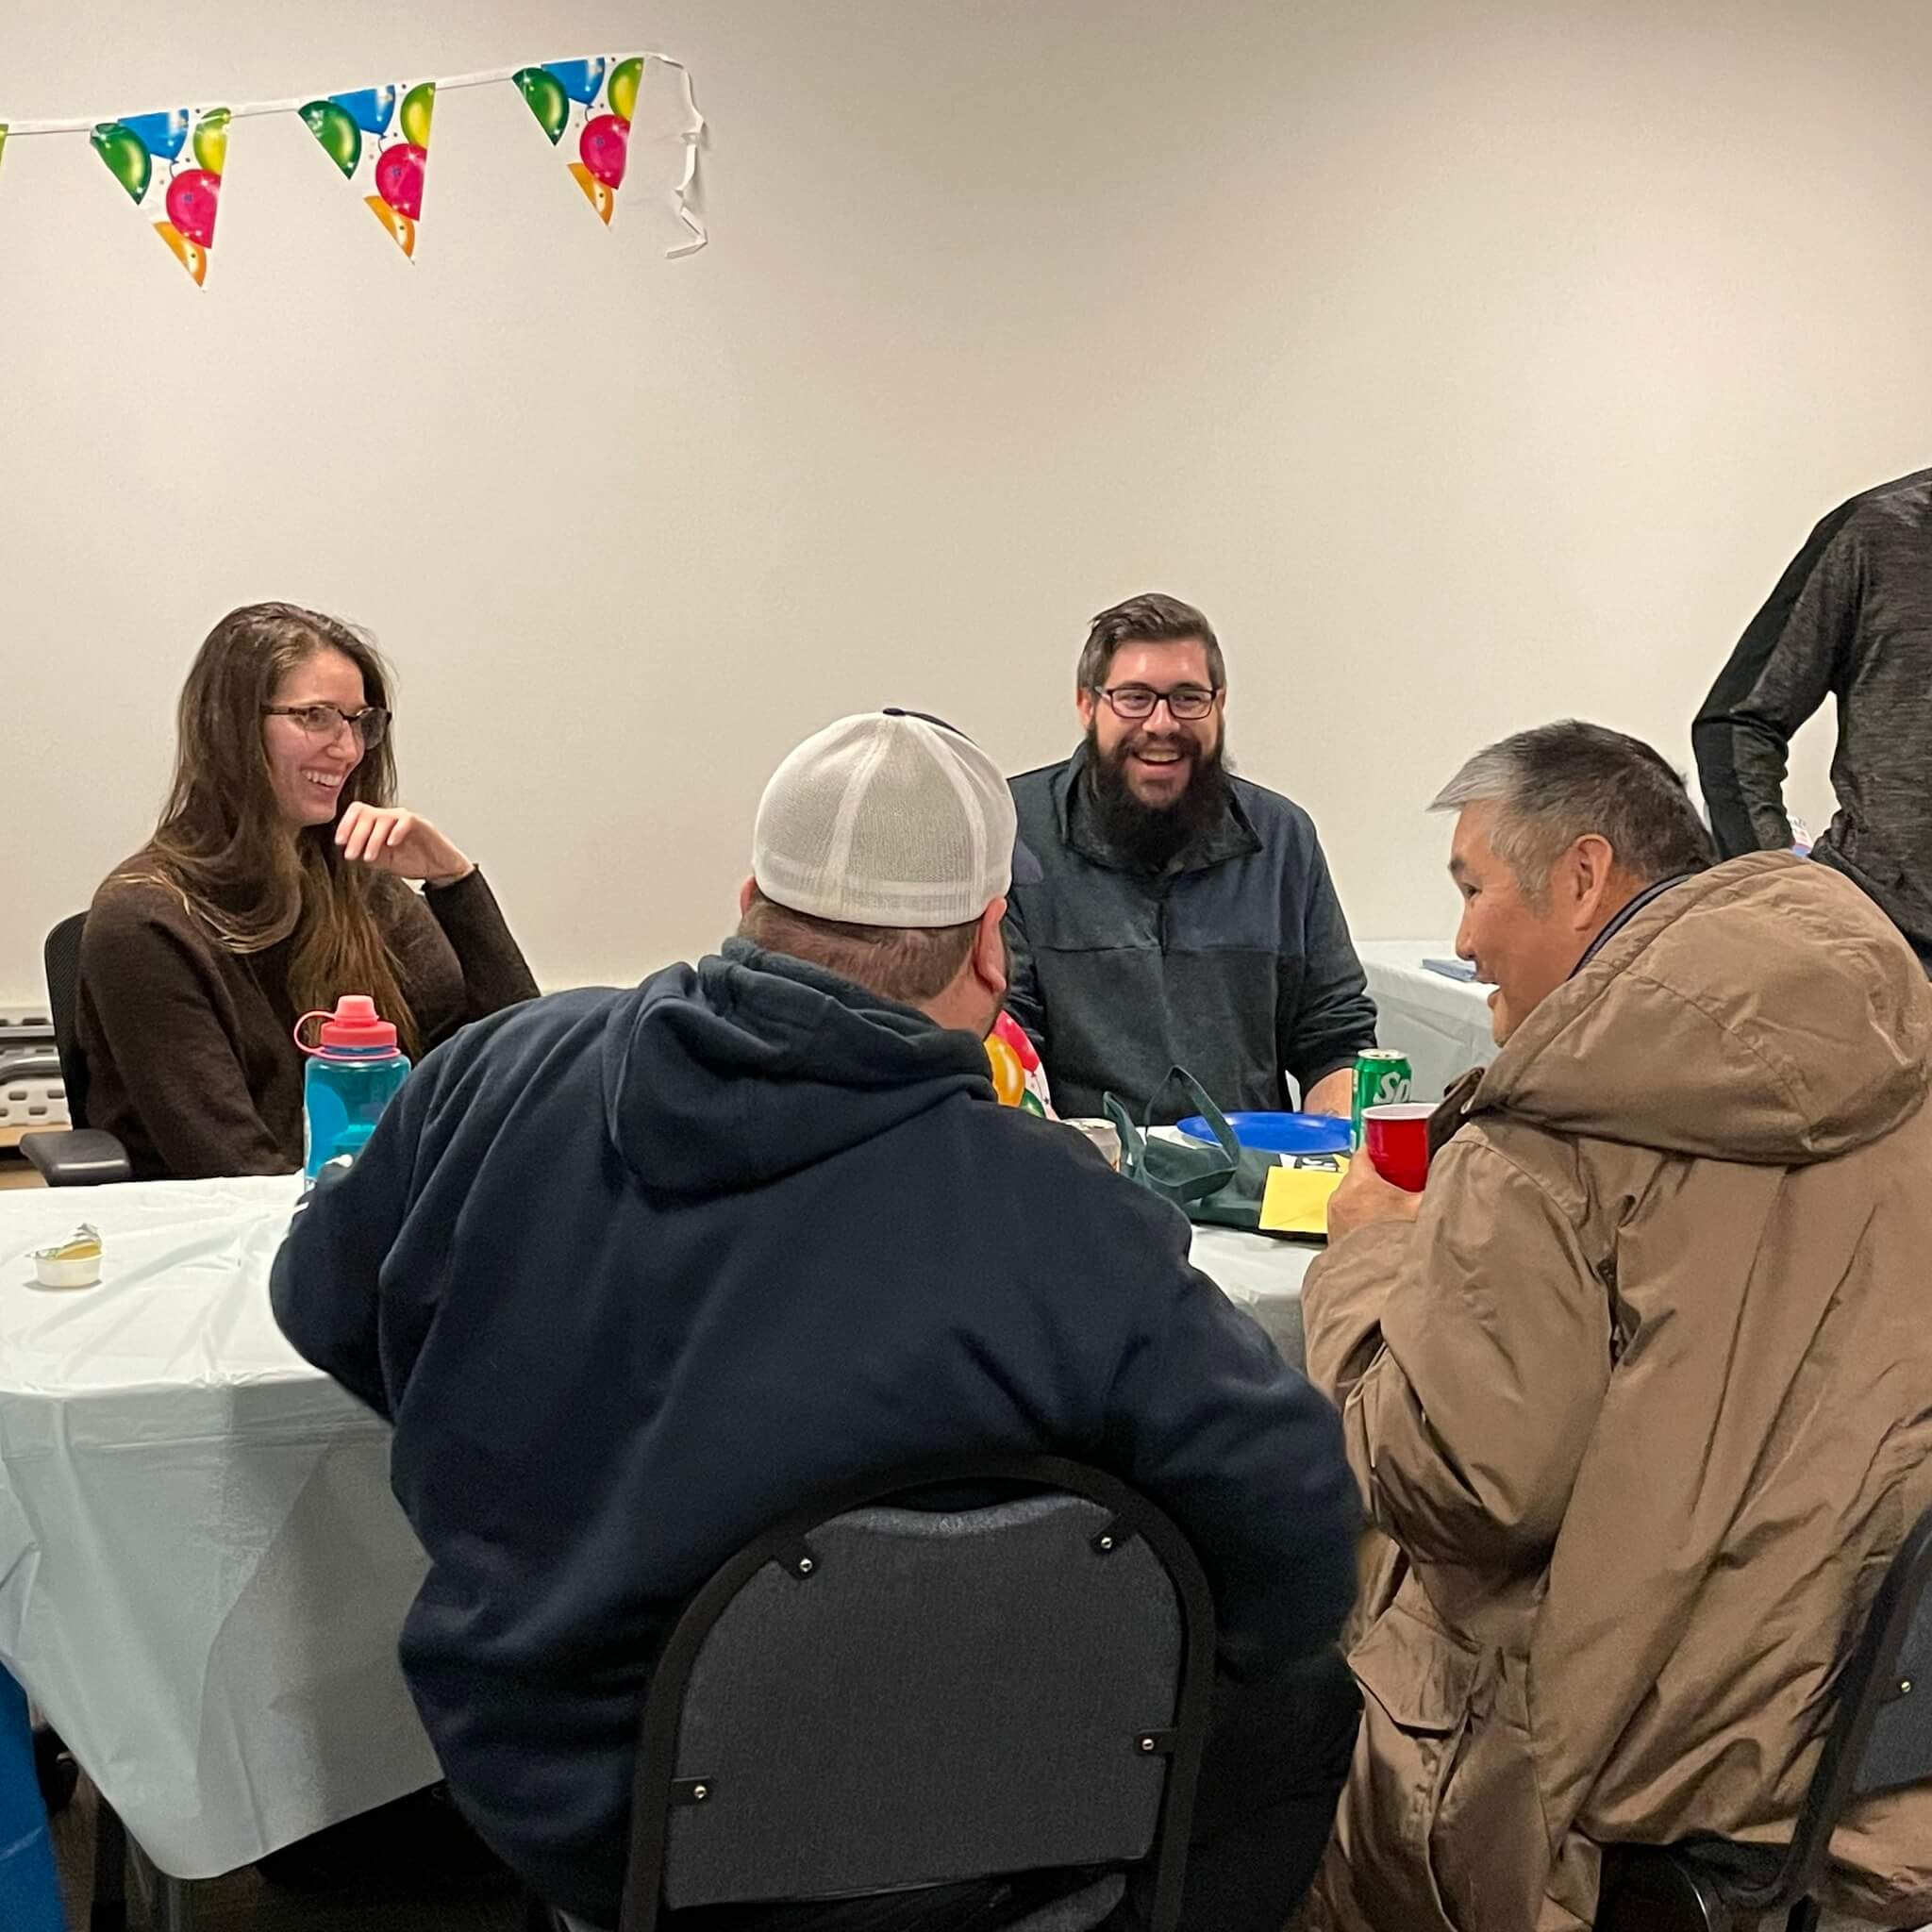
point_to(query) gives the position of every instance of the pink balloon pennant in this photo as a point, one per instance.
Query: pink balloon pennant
(585, 109)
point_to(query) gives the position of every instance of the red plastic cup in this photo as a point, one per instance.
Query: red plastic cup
(1397, 1138)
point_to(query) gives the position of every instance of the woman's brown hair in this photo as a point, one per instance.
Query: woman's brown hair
(223, 843)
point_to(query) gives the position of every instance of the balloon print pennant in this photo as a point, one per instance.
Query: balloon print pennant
(171, 165)
(379, 138)
(586, 108)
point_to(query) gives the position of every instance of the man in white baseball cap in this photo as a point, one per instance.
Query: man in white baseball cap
(884, 850)
(639, 1275)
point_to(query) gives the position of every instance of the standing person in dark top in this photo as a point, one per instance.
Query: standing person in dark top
(1851, 619)
(278, 879)
(1185, 917)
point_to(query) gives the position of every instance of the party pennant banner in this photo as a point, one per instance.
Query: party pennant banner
(592, 102)
(379, 138)
(171, 165)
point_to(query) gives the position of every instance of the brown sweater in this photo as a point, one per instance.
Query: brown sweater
(189, 1048)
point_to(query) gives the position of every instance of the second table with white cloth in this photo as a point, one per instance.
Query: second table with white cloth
(1442, 1023)
(203, 1572)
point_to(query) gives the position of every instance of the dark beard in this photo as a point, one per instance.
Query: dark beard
(1150, 838)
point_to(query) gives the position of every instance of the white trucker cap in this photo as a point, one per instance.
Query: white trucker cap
(888, 818)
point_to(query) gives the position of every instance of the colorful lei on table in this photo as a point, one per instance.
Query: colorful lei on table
(1018, 1078)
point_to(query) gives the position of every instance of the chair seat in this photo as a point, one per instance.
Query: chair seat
(1081, 1911)
(1649, 1891)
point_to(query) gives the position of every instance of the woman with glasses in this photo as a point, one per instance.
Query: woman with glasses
(279, 878)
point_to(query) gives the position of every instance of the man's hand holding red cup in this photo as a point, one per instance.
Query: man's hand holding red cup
(1385, 1180)
(1364, 1198)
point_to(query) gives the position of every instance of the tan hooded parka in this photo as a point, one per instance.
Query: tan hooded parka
(1644, 1398)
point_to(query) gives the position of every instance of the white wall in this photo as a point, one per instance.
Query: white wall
(1470, 364)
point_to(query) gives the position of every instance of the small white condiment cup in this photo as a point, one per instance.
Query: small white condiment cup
(54, 1270)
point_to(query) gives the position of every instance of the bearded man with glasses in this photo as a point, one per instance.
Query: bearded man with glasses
(1185, 916)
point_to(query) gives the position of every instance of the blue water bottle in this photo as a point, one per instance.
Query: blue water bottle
(353, 1074)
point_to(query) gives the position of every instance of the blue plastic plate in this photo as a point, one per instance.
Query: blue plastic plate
(1279, 1133)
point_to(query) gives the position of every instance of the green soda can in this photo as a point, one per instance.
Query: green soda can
(1381, 1075)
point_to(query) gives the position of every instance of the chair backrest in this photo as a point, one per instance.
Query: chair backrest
(1897, 1746)
(63, 999)
(873, 1697)
(1881, 1732)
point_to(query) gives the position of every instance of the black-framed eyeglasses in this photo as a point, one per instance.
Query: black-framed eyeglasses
(370, 725)
(1187, 704)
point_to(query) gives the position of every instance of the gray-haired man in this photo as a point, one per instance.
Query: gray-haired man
(1641, 1384)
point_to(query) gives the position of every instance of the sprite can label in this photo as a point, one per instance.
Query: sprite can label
(1381, 1075)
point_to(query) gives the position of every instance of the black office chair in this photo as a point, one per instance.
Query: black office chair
(77, 1155)
(873, 1698)
(1880, 1739)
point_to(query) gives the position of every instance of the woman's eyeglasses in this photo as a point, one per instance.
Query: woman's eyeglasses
(324, 721)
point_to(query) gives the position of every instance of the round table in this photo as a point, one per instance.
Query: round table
(1262, 1273)
(182, 1497)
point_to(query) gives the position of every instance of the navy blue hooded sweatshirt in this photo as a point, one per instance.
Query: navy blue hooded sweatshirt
(636, 1273)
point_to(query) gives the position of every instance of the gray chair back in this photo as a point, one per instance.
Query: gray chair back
(874, 1698)
(1897, 1748)
(1880, 1739)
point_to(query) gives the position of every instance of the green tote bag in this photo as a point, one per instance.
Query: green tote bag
(1219, 1186)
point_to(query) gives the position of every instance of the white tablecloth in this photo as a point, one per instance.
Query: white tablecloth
(1263, 1275)
(203, 1572)
(1442, 1025)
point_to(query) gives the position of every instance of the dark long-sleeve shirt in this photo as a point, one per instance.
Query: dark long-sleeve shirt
(1851, 619)
(1235, 963)
(189, 1048)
